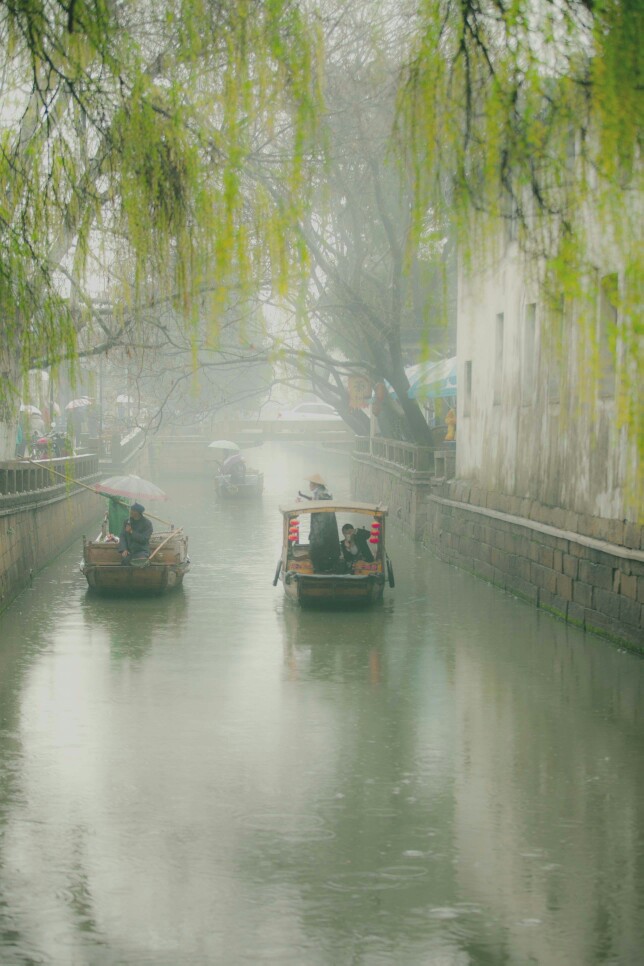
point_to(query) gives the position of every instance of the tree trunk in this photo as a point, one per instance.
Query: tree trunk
(419, 431)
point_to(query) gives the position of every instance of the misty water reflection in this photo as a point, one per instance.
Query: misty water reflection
(217, 777)
(352, 645)
(130, 626)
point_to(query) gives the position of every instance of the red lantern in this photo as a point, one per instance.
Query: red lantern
(294, 531)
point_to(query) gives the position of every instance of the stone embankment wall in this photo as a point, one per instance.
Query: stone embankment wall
(593, 579)
(36, 526)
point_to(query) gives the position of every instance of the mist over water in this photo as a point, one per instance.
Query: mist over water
(218, 777)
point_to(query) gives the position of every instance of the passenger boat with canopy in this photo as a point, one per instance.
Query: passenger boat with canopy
(341, 580)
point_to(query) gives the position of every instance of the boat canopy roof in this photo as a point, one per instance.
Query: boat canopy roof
(333, 506)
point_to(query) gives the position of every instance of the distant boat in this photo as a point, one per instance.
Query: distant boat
(163, 571)
(361, 583)
(251, 486)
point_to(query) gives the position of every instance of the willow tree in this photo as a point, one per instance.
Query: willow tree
(127, 132)
(369, 269)
(531, 111)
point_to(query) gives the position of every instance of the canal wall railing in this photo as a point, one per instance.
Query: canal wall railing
(43, 508)
(41, 513)
(588, 571)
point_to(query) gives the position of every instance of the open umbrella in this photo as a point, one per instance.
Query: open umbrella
(224, 444)
(131, 486)
(79, 403)
(32, 410)
(432, 380)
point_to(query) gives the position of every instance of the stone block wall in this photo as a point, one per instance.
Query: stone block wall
(34, 534)
(594, 584)
(394, 486)
(593, 579)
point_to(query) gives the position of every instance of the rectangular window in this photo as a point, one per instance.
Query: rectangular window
(607, 335)
(555, 337)
(528, 379)
(498, 360)
(467, 389)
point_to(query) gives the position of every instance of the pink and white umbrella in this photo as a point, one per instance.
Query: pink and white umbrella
(131, 486)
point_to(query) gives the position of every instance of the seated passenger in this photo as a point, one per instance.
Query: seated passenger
(235, 467)
(134, 541)
(354, 545)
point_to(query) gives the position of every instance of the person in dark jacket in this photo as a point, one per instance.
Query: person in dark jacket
(354, 545)
(323, 535)
(134, 540)
(235, 467)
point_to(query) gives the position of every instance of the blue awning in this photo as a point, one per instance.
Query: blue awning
(432, 380)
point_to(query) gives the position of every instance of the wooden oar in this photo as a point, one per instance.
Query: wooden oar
(70, 479)
(145, 561)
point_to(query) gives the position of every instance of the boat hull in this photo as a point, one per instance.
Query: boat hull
(106, 574)
(113, 579)
(250, 489)
(333, 590)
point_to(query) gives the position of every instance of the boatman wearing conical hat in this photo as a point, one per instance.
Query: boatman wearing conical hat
(134, 540)
(318, 489)
(324, 544)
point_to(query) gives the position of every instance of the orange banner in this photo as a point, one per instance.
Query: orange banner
(359, 388)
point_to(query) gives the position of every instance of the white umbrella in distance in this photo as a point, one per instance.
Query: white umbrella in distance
(80, 403)
(224, 444)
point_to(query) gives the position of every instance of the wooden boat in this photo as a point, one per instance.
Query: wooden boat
(251, 486)
(360, 584)
(164, 571)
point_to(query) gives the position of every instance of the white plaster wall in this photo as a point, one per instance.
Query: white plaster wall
(488, 438)
(568, 453)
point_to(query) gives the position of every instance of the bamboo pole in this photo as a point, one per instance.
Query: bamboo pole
(70, 479)
(141, 562)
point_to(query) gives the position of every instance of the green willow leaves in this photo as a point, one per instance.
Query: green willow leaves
(131, 134)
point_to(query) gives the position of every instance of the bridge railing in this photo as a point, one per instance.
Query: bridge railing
(407, 456)
(318, 429)
(23, 482)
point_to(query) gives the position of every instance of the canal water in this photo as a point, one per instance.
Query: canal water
(215, 777)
